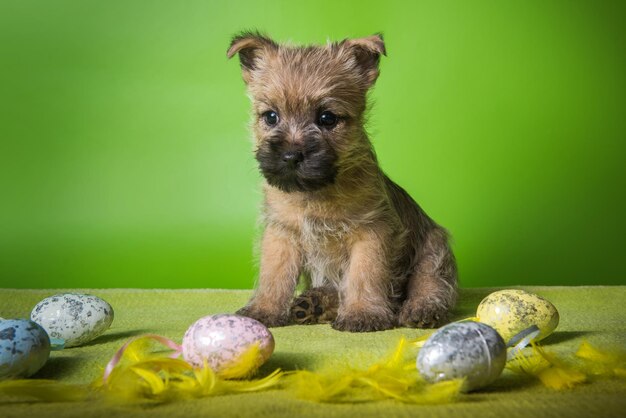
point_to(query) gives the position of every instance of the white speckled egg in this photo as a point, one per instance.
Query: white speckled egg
(512, 311)
(220, 340)
(468, 350)
(73, 317)
(24, 348)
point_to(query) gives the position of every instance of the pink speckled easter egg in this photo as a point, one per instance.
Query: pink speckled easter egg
(221, 340)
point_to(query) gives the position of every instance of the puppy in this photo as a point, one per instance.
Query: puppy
(371, 257)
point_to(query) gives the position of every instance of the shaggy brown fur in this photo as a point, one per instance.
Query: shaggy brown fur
(372, 258)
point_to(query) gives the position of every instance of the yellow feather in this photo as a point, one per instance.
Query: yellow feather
(154, 382)
(442, 392)
(138, 349)
(143, 376)
(206, 378)
(549, 369)
(589, 352)
(269, 381)
(607, 363)
(146, 377)
(245, 365)
(393, 378)
(560, 378)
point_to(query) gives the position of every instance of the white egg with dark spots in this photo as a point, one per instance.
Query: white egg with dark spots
(221, 341)
(24, 348)
(73, 317)
(463, 350)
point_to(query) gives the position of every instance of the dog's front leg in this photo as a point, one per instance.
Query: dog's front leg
(279, 271)
(365, 304)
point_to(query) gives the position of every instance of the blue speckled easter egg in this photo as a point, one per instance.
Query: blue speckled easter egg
(73, 317)
(469, 350)
(24, 348)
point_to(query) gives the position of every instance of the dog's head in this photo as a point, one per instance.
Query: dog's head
(308, 105)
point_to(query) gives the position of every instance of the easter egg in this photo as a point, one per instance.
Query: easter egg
(73, 317)
(24, 348)
(223, 340)
(468, 350)
(512, 311)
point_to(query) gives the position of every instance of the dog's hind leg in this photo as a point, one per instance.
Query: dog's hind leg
(316, 306)
(432, 288)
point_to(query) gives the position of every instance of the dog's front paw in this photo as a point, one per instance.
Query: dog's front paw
(363, 322)
(423, 313)
(269, 319)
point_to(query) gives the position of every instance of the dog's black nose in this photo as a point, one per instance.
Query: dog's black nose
(292, 158)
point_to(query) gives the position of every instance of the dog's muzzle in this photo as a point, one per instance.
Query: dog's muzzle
(304, 168)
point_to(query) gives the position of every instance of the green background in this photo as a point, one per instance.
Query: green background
(125, 157)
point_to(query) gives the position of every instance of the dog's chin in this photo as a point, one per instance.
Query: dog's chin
(293, 182)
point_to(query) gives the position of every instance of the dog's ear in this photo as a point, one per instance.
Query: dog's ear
(367, 52)
(250, 46)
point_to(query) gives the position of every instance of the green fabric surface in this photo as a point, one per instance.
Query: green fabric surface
(596, 314)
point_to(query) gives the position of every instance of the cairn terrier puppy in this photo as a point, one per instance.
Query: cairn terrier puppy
(370, 256)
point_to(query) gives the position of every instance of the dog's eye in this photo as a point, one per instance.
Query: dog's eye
(270, 117)
(327, 119)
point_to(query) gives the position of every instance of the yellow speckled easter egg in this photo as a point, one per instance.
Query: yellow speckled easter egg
(512, 311)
